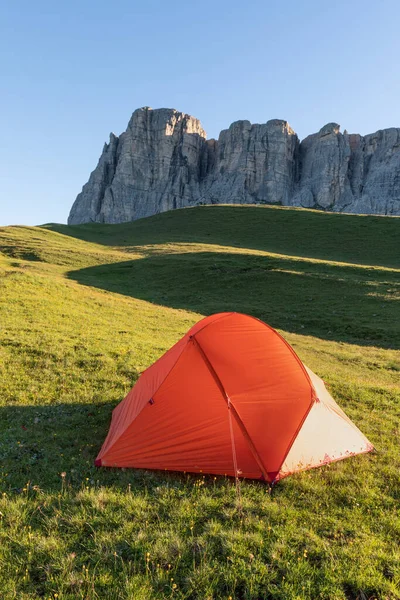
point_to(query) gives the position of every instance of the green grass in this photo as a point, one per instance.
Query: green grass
(84, 309)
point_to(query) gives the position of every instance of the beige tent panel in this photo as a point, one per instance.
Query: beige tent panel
(327, 435)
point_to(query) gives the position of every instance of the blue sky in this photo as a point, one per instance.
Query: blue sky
(73, 71)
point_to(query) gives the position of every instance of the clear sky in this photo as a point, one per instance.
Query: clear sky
(72, 71)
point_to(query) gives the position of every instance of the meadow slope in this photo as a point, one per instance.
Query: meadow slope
(85, 309)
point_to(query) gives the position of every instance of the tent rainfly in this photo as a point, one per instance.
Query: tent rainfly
(231, 398)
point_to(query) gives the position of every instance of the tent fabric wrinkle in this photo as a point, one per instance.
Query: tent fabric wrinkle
(231, 397)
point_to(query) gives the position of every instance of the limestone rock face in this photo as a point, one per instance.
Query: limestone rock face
(152, 167)
(88, 204)
(163, 161)
(374, 173)
(350, 173)
(252, 163)
(323, 166)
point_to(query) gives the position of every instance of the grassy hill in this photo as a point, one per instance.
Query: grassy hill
(84, 309)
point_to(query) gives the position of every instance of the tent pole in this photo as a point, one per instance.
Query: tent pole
(233, 409)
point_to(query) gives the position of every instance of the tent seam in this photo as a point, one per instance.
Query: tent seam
(313, 391)
(189, 337)
(154, 393)
(224, 316)
(290, 348)
(370, 448)
(230, 406)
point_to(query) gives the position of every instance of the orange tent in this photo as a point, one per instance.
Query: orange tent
(231, 397)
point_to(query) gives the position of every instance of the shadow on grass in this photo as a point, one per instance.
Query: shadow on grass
(39, 443)
(355, 239)
(340, 303)
(53, 447)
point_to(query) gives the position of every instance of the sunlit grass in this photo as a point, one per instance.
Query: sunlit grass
(81, 318)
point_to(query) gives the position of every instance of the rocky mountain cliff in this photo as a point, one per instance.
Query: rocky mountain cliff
(164, 161)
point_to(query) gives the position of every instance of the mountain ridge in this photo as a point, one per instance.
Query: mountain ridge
(164, 161)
